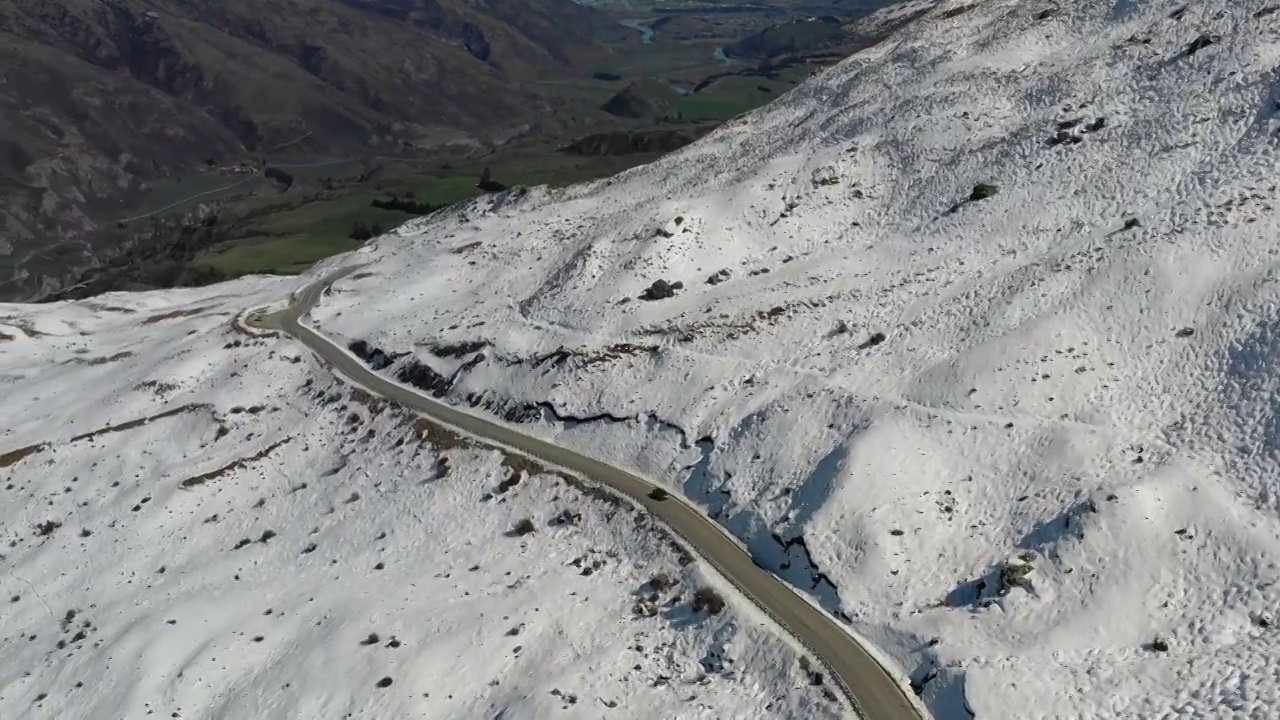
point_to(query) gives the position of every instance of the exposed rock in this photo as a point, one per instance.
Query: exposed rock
(874, 340)
(982, 191)
(424, 378)
(1201, 42)
(475, 42)
(825, 176)
(1014, 574)
(1064, 137)
(629, 142)
(46, 528)
(661, 290)
(708, 599)
(958, 10)
(642, 100)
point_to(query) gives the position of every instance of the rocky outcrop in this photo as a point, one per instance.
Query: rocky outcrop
(642, 100)
(661, 290)
(474, 41)
(629, 142)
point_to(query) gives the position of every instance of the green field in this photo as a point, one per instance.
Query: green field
(287, 255)
(731, 96)
(289, 238)
(661, 59)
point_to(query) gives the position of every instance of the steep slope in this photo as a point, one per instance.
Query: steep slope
(973, 337)
(105, 103)
(205, 523)
(323, 63)
(521, 39)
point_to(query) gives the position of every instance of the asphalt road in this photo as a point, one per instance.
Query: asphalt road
(874, 692)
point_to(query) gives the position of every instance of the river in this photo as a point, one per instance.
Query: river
(642, 27)
(645, 28)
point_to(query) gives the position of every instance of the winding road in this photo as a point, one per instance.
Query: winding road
(875, 694)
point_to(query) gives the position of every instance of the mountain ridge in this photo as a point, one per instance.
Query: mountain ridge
(186, 87)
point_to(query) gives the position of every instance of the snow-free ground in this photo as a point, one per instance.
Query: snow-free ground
(201, 523)
(978, 342)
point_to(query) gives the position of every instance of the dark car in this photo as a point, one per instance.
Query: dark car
(658, 494)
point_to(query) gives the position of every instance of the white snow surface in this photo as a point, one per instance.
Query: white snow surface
(200, 523)
(1089, 403)
(1079, 373)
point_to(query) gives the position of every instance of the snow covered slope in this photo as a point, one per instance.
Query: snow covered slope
(976, 338)
(202, 523)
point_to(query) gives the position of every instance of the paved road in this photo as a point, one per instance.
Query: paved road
(876, 694)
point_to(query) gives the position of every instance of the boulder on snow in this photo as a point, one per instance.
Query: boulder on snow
(661, 290)
(875, 339)
(1015, 574)
(982, 191)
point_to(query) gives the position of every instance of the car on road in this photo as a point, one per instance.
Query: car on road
(658, 494)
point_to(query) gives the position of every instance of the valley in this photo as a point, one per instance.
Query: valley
(275, 189)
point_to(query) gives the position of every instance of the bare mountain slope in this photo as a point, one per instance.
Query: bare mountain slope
(103, 102)
(521, 38)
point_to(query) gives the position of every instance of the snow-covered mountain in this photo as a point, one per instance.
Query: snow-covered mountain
(203, 523)
(973, 337)
(987, 315)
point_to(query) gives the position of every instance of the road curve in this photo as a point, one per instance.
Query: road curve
(873, 691)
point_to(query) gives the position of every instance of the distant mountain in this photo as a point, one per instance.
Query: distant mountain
(101, 100)
(520, 38)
